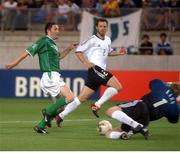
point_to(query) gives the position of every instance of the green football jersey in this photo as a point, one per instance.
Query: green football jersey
(48, 54)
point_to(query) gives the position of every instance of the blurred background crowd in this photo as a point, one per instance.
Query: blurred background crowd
(157, 15)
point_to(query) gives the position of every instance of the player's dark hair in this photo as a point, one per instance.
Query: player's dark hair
(48, 26)
(101, 20)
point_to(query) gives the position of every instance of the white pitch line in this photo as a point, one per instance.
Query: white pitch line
(75, 120)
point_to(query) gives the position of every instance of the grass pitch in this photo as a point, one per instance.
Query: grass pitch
(19, 116)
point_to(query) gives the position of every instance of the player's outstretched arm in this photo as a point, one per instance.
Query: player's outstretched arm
(17, 61)
(68, 49)
(122, 51)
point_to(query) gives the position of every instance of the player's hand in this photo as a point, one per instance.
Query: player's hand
(10, 66)
(122, 51)
(73, 45)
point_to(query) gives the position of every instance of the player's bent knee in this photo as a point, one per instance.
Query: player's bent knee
(119, 89)
(82, 99)
(111, 110)
(108, 113)
(113, 82)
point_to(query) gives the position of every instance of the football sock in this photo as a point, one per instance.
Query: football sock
(52, 109)
(108, 93)
(115, 135)
(123, 118)
(70, 107)
(42, 124)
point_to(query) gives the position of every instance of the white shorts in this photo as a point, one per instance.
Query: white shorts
(51, 83)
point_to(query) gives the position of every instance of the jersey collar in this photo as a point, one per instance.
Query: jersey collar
(99, 37)
(50, 38)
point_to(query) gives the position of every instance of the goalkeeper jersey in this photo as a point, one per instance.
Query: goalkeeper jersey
(161, 101)
(48, 54)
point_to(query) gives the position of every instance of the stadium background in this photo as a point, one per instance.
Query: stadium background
(133, 70)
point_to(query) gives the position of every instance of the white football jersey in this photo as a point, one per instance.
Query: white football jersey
(96, 50)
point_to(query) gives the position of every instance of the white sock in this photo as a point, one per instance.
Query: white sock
(123, 118)
(115, 135)
(70, 107)
(108, 93)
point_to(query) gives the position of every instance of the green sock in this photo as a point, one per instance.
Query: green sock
(52, 110)
(42, 124)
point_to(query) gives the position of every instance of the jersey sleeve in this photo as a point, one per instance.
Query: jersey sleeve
(32, 50)
(84, 46)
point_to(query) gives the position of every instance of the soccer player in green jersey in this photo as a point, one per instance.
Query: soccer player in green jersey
(51, 83)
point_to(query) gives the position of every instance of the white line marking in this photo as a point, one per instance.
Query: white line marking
(74, 120)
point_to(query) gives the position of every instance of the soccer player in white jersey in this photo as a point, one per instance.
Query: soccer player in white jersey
(93, 54)
(51, 82)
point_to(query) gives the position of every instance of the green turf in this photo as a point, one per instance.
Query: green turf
(18, 116)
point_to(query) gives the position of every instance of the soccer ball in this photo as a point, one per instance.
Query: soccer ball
(103, 127)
